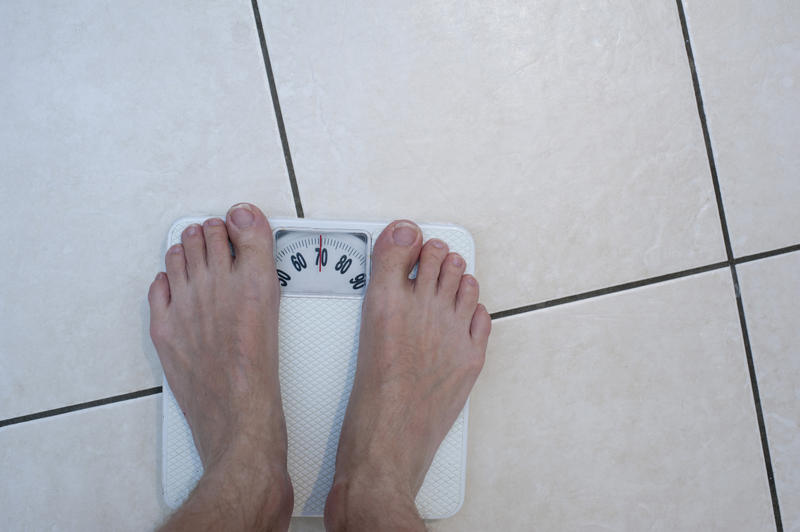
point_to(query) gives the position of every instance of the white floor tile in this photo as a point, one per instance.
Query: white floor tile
(771, 295)
(565, 136)
(630, 411)
(118, 118)
(89, 470)
(627, 412)
(748, 60)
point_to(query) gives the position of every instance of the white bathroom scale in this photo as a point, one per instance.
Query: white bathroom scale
(323, 267)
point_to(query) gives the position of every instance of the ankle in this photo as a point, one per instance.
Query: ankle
(356, 503)
(263, 491)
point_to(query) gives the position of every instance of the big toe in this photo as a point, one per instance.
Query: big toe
(395, 252)
(250, 235)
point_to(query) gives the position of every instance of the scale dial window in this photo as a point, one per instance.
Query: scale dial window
(322, 263)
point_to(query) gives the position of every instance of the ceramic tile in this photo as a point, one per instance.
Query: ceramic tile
(564, 136)
(771, 295)
(94, 469)
(117, 119)
(630, 411)
(626, 412)
(748, 60)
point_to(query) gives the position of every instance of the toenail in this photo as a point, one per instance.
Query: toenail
(177, 248)
(192, 229)
(437, 244)
(471, 281)
(160, 276)
(456, 261)
(405, 234)
(242, 216)
(214, 221)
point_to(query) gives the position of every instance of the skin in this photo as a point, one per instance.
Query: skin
(214, 322)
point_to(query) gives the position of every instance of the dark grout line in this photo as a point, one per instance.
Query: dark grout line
(767, 254)
(732, 263)
(706, 136)
(608, 290)
(762, 428)
(287, 154)
(497, 315)
(80, 406)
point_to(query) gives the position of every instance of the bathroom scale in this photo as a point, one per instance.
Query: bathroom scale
(323, 268)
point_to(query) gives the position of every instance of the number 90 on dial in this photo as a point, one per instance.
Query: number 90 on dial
(322, 263)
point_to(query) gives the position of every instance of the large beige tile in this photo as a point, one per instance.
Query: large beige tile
(748, 60)
(564, 135)
(771, 295)
(94, 469)
(118, 118)
(627, 412)
(630, 411)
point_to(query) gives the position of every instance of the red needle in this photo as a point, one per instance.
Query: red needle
(320, 253)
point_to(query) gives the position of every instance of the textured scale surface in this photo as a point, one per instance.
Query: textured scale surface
(318, 344)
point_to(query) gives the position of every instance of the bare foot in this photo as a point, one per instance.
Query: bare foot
(422, 346)
(214, 320)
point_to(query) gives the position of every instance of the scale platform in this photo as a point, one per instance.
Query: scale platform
(323, 269)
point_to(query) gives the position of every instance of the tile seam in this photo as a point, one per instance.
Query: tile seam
(614, 289)
(276, 106)
(80, 406)
(732, 264)
(651, 281)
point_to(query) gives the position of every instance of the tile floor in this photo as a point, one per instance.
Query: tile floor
(639, 292)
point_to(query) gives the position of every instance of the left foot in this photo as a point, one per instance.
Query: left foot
(214, 322)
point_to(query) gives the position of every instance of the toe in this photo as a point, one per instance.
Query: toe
(158, 296)
(450, 275)
(176, 268)
(430, 263)
(251, 236)
(395, 252)
(467, 297)
(481, 326)
(194, 247)
(218, 250)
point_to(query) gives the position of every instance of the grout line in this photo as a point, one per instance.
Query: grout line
(766, 254)
(497, 315)
(734, 275)
(608, 290)
(80, 406)
(762, 428)
(276, 105)
(706, 136)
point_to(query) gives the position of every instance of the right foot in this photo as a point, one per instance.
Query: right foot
(422, 346)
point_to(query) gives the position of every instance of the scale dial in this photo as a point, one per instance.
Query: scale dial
(322, 263)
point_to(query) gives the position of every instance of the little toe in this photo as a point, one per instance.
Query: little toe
(176, 268)
(450, 275)
(158, 297)
(395, 252)
(251, 236)
(430, 263)
(194, 247)
(218, 251)
(467, 297)
(481, 326)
